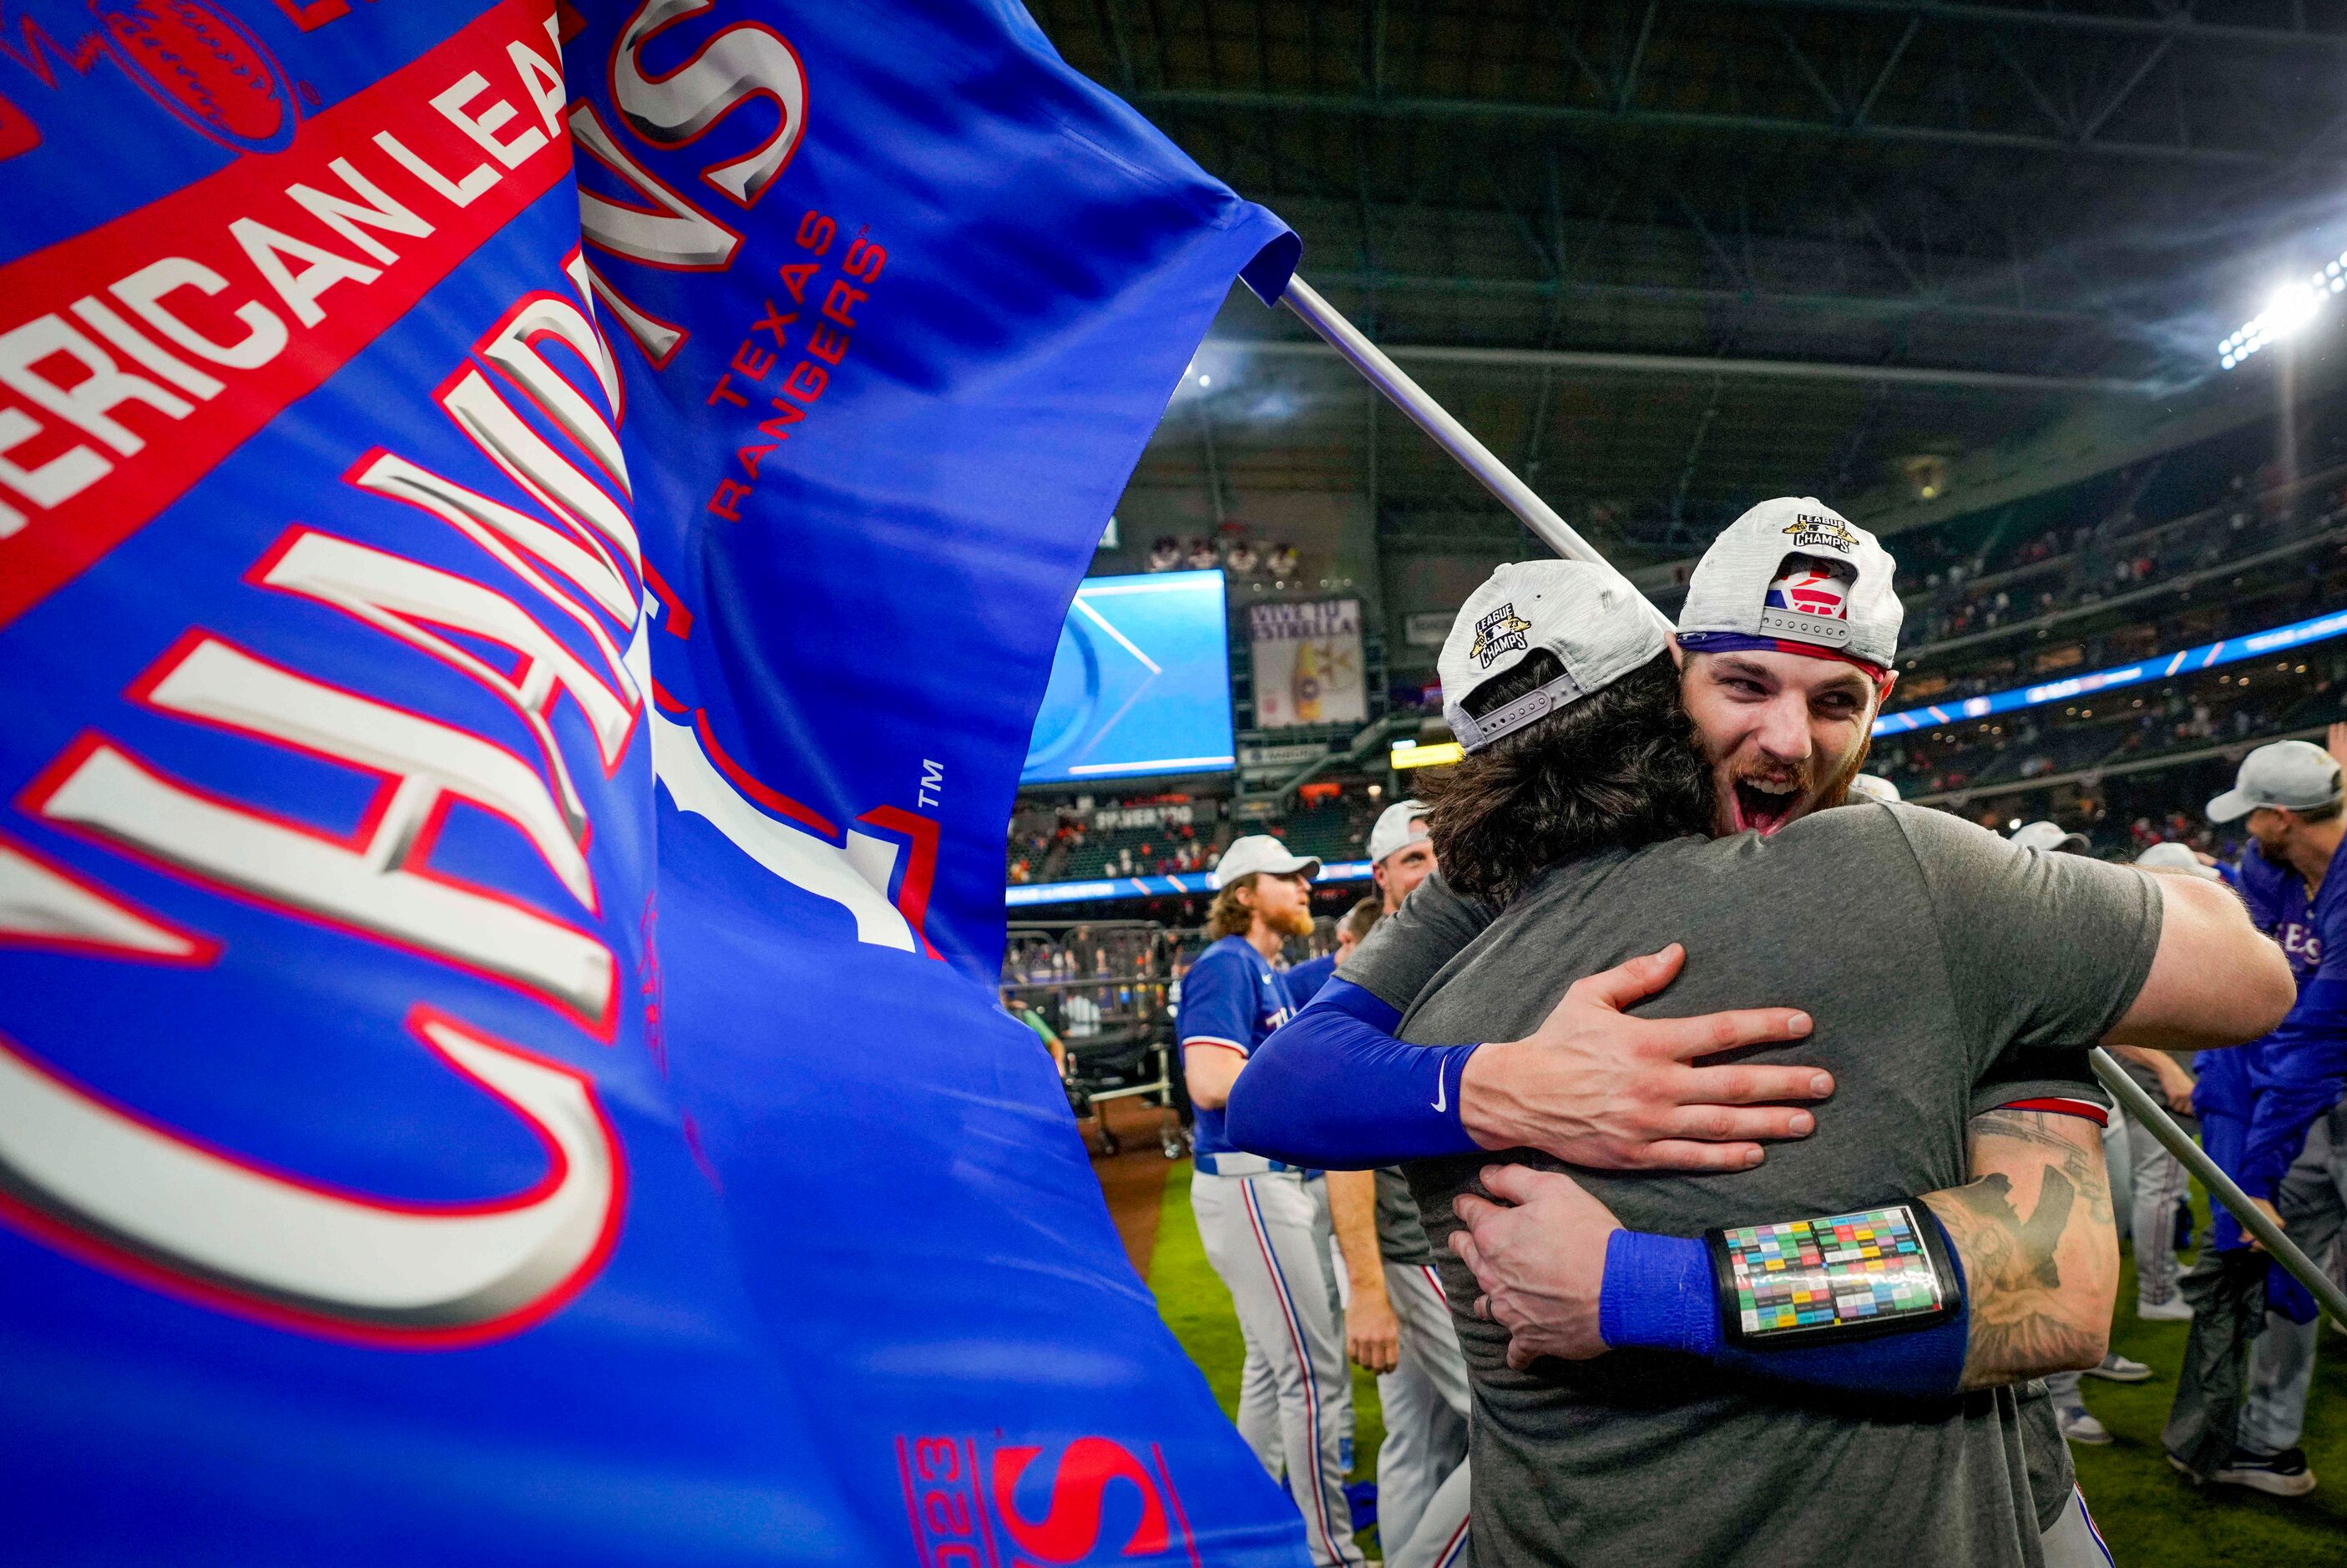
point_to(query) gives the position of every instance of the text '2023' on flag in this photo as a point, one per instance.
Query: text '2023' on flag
(530, 543)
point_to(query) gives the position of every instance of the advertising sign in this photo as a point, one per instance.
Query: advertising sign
(1307, 664)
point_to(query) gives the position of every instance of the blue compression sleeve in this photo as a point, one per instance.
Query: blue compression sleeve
(1658, 1294)
(1333, 1090)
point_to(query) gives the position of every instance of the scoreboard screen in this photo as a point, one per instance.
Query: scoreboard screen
(1141, 682)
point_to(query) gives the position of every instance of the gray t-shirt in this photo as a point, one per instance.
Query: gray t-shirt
(1401, 1235)
(1407, 948)
(1928, 952)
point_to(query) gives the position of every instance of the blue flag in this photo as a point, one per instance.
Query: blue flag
(521, 608)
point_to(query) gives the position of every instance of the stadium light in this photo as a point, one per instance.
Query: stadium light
(2291, 309)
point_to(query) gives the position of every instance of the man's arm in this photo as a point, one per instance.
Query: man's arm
(2031, 1233)
(2042, 952)
(1209, 1069)
(1592, 1085)
(1372, 1334)
(2040, 1249)
(1216, 1024)
(2216, 979)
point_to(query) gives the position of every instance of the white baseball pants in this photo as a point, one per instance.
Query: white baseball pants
(1422, 1475)
(1268, 1235)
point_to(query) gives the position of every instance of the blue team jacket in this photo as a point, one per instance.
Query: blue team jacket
(2297, 1073)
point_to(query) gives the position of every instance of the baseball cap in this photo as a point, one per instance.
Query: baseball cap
(1589, 616)
(1794, 576)
(2175, 857)
(1400, 823)
(1260, 852)
(1873, 787)
(2296, 775)
(2049, 837)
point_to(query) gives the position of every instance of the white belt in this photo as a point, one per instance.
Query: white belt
(1250, 1165)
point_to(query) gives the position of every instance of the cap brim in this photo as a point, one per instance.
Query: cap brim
(2071, 842)
(2231, 806)
(1307, 863)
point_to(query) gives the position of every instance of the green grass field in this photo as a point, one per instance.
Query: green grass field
(2151, 1516)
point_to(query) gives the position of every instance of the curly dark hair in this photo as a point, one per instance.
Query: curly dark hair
(1620, 766)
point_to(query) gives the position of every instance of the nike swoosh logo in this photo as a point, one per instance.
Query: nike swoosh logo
(1441, 1091)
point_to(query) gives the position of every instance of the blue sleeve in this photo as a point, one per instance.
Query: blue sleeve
(2220, 1085)
(2260, 886)
(1219, 1002)
(2299, 1072)
(1305, 981)
(1658, 1294)
(1333, 1089)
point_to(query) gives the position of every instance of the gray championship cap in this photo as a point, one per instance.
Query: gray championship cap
(2049, 837)
(2294, 775)
(2176, 857)
(1402, 822)
(1794, 574)
(1587, 615)
(1260, 852)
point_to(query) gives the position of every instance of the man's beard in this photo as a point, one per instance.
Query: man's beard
(1294, 923)
(1764, 799)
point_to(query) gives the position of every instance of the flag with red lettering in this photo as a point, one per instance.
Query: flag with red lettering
(530, 541)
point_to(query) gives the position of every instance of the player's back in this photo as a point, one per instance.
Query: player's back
(1923, 949)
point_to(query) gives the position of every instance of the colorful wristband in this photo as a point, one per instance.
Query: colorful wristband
(1661, 1293)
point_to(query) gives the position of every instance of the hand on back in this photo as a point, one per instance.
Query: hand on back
(1595, 1086)
(1540, 1262)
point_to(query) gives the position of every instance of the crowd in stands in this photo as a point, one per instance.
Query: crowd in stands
(2079, 566)
(2271, 593)
(2254, 701)
(1077, 840)
(1073, 841)
(1232, 548)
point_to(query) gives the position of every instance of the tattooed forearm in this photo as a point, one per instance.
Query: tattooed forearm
(2033, 1229)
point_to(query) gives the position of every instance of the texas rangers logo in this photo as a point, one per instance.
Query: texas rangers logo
(1502, 631)
(1812, 528)
(1811, 590)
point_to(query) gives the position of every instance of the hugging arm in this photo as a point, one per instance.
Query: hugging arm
(2215, 980)
(1593, 1084)
(2032, 1234)
(2034, 1229)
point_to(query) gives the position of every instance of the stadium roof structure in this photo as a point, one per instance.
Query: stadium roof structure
(1668, 260)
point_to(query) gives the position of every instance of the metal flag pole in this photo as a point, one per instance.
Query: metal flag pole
(2222, 1187)
(1453, 438)
(1539, 517)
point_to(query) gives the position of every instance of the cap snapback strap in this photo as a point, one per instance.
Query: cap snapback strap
(1473, 734)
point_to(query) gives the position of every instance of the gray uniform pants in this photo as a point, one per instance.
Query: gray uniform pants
(2160, 1183)
(2313, 1201)
(1422, 1476)
(2072, 1540)
(1268, 1237)
(1258, 1419)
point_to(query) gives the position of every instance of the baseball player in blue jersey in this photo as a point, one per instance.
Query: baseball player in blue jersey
(2292, 1158)
(1265, 1223)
